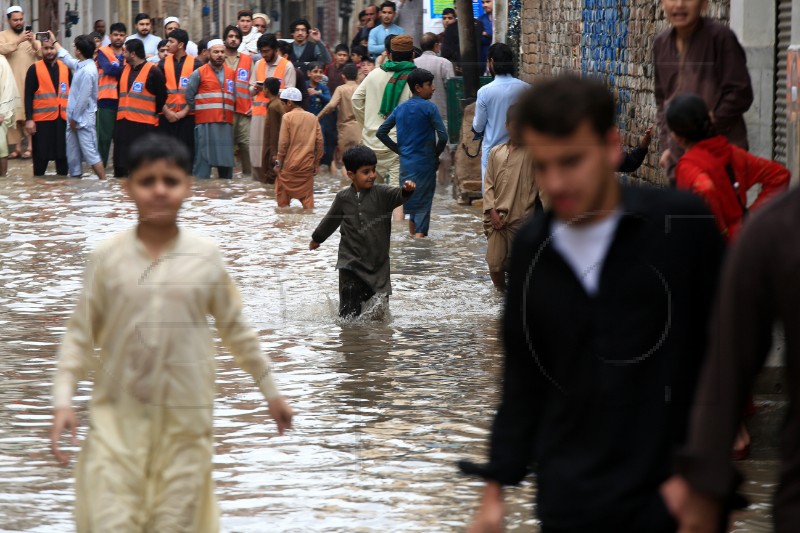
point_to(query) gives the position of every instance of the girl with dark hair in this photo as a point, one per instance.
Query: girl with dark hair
(715, 169)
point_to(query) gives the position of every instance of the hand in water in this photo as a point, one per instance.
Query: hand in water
(281, 413)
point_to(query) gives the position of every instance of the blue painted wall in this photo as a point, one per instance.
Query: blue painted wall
(604, 47)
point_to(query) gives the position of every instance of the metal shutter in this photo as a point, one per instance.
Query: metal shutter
(783, 40)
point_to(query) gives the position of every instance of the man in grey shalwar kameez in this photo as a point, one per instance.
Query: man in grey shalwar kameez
(213, 140)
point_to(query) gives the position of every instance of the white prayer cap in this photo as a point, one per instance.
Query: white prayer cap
(261, 16)
(291, 93)
(13, 9)
(215, 42)
(171, 19)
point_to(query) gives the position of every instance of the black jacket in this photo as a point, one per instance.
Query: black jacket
(597, 389)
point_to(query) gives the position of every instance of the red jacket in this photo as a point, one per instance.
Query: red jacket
(703, 170)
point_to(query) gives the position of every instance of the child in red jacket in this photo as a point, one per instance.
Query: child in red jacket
(715, 169)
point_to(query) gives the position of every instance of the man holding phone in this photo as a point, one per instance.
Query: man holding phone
(21, 49)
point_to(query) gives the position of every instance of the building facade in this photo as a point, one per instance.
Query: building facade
(613, 39)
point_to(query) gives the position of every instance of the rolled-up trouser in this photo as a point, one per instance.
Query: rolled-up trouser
(81, 146)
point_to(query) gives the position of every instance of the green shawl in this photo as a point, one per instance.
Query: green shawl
(393, 90)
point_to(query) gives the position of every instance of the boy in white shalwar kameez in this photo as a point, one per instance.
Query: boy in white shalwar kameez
(145, 465)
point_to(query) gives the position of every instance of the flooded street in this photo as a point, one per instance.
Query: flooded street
(383, 410)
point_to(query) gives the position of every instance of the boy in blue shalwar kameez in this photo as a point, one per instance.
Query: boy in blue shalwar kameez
(421, 138)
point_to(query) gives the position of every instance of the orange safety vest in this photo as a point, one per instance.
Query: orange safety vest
(260, 101)
(47, 103)
(176, 89)
(243, 101)
(107, 85)
(213, 103)
(138, 104)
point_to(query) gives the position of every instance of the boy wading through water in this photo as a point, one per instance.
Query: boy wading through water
(509, 197)
(424, 138)
(146, 462)
(364, 212)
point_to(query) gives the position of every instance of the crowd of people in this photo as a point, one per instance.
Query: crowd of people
(625, 392)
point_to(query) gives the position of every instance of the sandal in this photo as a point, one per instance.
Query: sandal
(26, 154)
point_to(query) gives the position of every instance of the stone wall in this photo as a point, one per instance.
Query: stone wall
(610, 38)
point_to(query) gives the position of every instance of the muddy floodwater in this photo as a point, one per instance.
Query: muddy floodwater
(384, 410)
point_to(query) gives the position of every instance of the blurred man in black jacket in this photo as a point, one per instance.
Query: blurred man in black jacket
(604, 328)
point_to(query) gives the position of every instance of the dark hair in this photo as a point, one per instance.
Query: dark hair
(503, 58)
(202, 45)
(417, 52)
(315, 64)
(229, 28)
(402, 56)
(362, 14)
(244, 13)
(558, 106)
(85, 46)
(135, 46)
(285, 48)
(267, 40)
(350, 71)
(161, 44)
(687, 116)
(428, 42)
(299, 22)
(140, 17)
(180, 36)
(96, 35)
(387, 42)
(448, 11)
(388, 3)
(360, 50)
(368, 59)
(273, 85)
(98, 20)
(158, 147)
(357, 157)
(341, 48)
(118, 27)
(418, 77)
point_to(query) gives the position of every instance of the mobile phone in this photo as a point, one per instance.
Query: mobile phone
(259, 83)
(42, 36)
(28, 28)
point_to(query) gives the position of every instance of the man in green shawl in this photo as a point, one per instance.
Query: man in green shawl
(377, 96)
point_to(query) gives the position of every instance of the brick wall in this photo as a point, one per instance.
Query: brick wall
(610, 38)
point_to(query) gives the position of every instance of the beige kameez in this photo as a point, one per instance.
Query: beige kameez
(348, 128)
(510, 189)
(146, 462)
(20, 56)
(366, 106)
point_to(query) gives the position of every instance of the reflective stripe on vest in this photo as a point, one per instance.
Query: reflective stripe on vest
(47, 103)
(138, 104)
(107, 85)
(176, 88)
(260, 102)
(213, 103)
(243, 68)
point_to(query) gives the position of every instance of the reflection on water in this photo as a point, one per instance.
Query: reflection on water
(384, 409)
